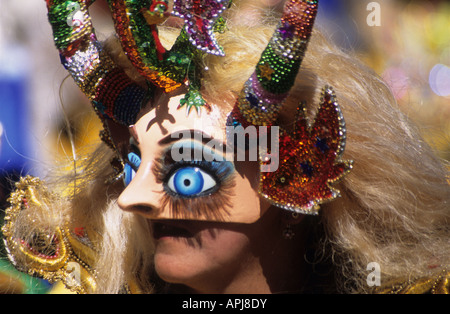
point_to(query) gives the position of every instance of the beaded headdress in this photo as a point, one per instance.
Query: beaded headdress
(309, 156)
(115, 97)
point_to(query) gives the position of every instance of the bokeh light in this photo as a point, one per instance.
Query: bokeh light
(439, 80)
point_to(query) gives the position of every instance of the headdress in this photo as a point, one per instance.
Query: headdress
(309, 156)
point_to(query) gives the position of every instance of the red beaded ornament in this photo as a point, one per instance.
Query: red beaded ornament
(310, 160)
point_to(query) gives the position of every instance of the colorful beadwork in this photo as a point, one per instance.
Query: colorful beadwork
(200, 17)
(310, 160)
(169, 69)
(264, 93)
(113, 94)
(51, 253)
(141, 44)
(192, 99)
(309, 157)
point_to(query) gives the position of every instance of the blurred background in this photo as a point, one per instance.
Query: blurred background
(407, 42)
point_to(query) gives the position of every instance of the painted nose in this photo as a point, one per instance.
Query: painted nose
(142, 195)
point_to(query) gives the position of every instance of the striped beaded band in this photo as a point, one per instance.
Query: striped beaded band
(263, 95)
(90, 67)
(142, 46)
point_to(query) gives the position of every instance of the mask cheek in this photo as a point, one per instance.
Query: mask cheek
(247, 205)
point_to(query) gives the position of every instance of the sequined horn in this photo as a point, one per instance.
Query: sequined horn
(264, 93)
(135, 23)
(113, 94)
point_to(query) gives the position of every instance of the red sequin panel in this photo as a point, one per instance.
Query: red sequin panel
(309, 160)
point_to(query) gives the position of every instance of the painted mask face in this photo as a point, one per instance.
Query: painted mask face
(177, 168)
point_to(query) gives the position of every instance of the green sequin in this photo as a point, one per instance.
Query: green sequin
(192, 99)
(59, 16)
(283, 77)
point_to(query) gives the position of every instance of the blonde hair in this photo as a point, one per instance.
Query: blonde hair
(394, 208)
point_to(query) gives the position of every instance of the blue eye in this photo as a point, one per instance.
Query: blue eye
(190, 181)
(131, 166)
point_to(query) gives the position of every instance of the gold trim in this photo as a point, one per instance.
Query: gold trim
(55, 255)
(439, 284)
(63, 264)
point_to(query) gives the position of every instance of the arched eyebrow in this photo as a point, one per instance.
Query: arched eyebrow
(193, 134)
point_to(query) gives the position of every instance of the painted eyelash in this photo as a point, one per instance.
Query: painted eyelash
(212, 205)
(134, 160)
